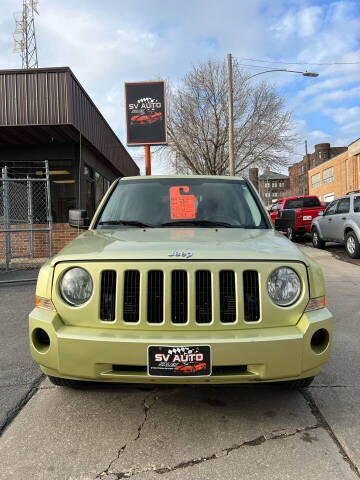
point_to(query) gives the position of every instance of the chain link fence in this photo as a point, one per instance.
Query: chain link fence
(25, 221)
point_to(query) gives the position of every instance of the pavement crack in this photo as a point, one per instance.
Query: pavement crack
(146, 409)
(33, 388)
(326, 426)
(219, 454)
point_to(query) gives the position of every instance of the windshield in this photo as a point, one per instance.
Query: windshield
(181, 202)
(305, 202)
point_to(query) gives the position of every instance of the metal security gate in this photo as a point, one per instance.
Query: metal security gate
(25, 220)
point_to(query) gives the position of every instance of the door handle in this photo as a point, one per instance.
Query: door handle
(343, 218)
(330, 220)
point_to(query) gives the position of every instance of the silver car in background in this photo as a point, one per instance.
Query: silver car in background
(340, 223)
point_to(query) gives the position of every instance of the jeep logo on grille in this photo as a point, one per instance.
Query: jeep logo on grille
(183, 254)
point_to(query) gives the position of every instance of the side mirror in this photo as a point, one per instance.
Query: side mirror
(321, 213)
(78, 219)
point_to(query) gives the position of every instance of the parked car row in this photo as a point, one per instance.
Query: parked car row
(338, 222)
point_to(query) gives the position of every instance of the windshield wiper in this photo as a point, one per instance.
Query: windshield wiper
(132, 223)
(200, 223)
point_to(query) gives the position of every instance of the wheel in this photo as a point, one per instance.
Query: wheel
(291, 234)
(316, 240)
(297, 384)
(352, 245)
(64, 382)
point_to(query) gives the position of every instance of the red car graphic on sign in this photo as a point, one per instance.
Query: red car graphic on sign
(190, 367)
(146, 118)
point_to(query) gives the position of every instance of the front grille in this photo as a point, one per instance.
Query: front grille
(168, 294)
(179, 296)
(227, 296)
(251, 296)
(203, 297)
(107, 296)
(155, 299)
(131, 296)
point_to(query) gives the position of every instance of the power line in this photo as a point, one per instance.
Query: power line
(298, 63)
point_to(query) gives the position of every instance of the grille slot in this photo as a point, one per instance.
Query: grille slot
(203, 297)
(107, 298)
(227, 296)
(155, 299)
(179, 296)
(131, 295)
(251, 296)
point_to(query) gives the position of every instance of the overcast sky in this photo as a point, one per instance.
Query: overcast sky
(112, 41)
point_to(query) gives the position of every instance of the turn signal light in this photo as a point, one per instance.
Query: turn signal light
(316, 304)
(45, 303)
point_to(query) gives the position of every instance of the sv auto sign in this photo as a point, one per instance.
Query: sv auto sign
(145, 113)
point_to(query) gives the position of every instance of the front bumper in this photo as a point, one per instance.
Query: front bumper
(269, 354)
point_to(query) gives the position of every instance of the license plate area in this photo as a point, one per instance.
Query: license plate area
(177, 361)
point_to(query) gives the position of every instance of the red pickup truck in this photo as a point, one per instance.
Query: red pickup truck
(306, 208)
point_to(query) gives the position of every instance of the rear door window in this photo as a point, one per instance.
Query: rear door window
(343, 205)
(356, 204)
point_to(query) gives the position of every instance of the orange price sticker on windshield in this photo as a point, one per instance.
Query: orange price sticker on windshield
(182, 206)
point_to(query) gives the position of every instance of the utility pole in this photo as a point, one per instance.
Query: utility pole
(24, 34)
(231, 116)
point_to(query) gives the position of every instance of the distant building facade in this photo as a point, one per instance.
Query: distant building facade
(298, 172)
(270, 185)
(336, 176)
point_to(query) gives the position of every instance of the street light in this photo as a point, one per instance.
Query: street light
(230, 103)
(306, 74)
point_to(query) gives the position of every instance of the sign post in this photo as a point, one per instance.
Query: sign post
(146, 116)
(147, 160)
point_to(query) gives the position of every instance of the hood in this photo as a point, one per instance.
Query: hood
(202, 243)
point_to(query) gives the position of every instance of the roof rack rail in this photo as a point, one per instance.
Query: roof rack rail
(352, 191)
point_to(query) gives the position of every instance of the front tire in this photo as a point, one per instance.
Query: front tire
(65, 382)
(297, 384)
(316, 240)
(352, 245)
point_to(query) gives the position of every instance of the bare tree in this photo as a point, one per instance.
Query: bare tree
(198, 123)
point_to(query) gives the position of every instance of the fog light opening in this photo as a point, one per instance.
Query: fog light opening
(320, 341)
(40, 340)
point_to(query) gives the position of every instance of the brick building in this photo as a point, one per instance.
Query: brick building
(270, 185)
(298, 172)
(336, 176)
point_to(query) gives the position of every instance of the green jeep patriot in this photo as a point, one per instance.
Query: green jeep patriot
(180, 279)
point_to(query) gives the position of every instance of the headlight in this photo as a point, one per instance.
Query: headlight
(284, 286)
(76, 286)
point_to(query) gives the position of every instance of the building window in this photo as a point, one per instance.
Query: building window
(281, 184)
(267, 194)
(274, 184)
(315, 180)
(274, 194)
(328, 175)
(267, 184)
(329, 197)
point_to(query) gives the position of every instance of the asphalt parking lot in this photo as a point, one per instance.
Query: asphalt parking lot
(113, 432)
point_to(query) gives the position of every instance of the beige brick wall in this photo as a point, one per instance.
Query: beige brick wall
(342, 183)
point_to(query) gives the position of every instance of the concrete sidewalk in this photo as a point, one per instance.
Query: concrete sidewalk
(112, 432)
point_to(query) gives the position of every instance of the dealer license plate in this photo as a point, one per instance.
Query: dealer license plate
(307, 217)
(189, 361)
